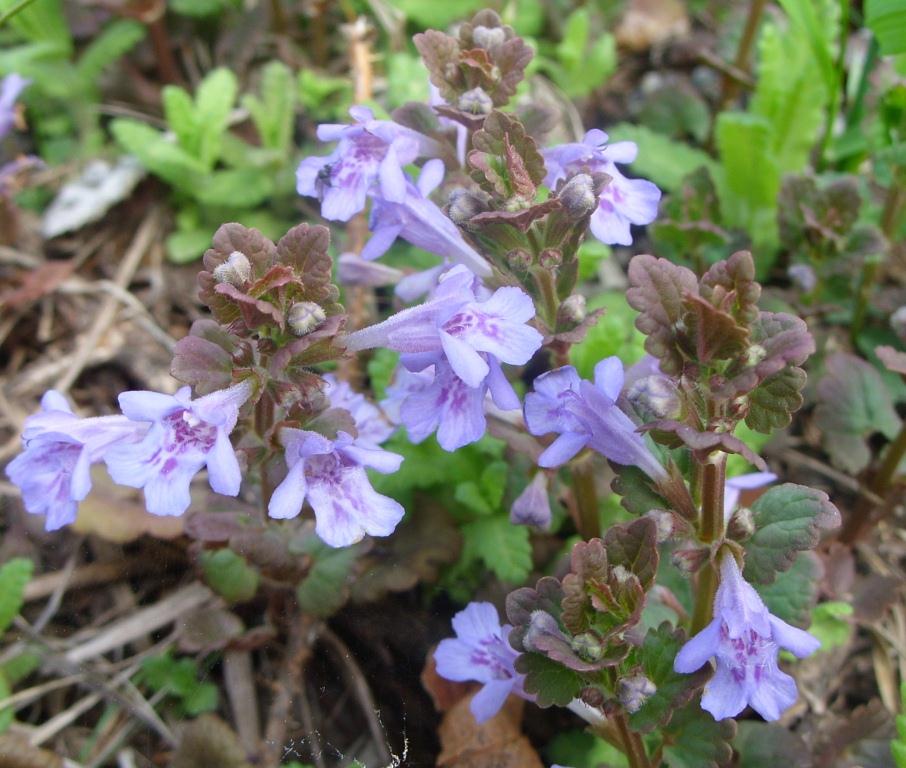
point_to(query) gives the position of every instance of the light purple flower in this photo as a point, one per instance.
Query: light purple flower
(623, 201)
(481, 652)
(354, 270)
(330, 475)
(744, 638)
(185, 435)
(533, 506)
(456, 326)
(10, 87)
(586, 414)
(53, 472)
(413, 217)
(736, 485)
(369, 152)
(373, 429)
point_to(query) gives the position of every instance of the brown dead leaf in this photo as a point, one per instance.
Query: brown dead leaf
(16, 752)
(649, 22)
(207, 742)
(37, 283)
(497, 743)
(118, 514)
(444, 693)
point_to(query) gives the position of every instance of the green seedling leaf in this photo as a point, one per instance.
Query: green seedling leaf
(160, 156)
(583, 749)
(767, 745)
(114, 41)
(179, 678)
(241, 188)
(673, 689)
(887, 20)
(14, 575)
(503, 547)
(324, 589)
(694, 739)
(853, 403)
(272, 112)
(229, 575)
(831, 624)
(552, 683)
(213, 103)
(788, 519)
(793, 594)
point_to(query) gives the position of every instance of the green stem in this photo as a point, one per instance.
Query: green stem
(20, 6)
(264, 421)
(866, 283)
(840, 71)
(545, 281)
(586, 495)
(711, 529)
(632, 743)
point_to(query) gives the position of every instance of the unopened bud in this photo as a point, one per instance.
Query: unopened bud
(550, 258)
(578, 196)
(476, 102)
(755, 354)
(587, 647)
(803, 277)
(236, 270)
(541, 624)
(533, 507)
(898, 323)
(664, 522)
(488, 37)
(655, 397)
(572, 311)
(742, 524)
(519, 259)
(621, 574)
(635, 691)
(689, 560)
(464, 204)
(304, 317)
(592, 696)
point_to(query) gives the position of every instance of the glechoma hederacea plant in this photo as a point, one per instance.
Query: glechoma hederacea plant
(505, 219)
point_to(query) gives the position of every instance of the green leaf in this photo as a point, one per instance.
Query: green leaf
(240, 188)
(161, 157)
(115, 40)
(14, 575)
(323, 590)
(213, 103)
(179, 678)
(887, 20)
(830, 625)
(552, 683)
(199, 8)
(188, 245)
(493, 482)
(661, 159)
(582, 749)
(614, 334)
(853, 403)
(229, 575)
(773, 402)
(315, 89)
(179, 111)
(437, 15)
(469, 495)
(697, 740)
(788, 519)
(792, 595)
(503, 547)
(42, 21)
(749, 177)
(8, 714)
(380, 371)
(272, 113)
(674, 690)
(767, 745)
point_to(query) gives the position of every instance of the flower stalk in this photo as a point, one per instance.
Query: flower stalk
(713, 479)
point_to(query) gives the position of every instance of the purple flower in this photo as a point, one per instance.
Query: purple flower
(586, 415)
(744, 638)
(413, 217)
(354, 270)
(330, 475)
(481, 651)
(370, 423)
(456, 326)
(53, 472)
(533, 506)
(623, 201)
(736, 485)
(10, 88)
(185, 435)
(368, 152)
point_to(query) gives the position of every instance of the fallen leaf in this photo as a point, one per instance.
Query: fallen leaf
(649, 22)
(37, 283)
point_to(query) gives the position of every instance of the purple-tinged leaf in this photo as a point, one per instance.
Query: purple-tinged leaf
(204, 358)
(633, 546)
(788, 519)
(703, 443)
(893, 359)
(505, 159)
(658, 290)
(731, 287)
(713, 333)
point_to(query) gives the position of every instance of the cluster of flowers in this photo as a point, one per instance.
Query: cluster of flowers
(743, 638)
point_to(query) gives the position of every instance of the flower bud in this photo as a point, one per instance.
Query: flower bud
(464, 204)
(655, 397)
(587, 647)
(578, 196)
(550, 258)
(304, 317)
(236, 270)
(488, 37)
(476, 102)
(519, 259)
(533, 506)
(634, 691)
(689, 560)
(664, 522)
(742, 524)
(354, 270)
(572, 311)
(898, 323)
(592, 696)
(541, 624)
(803, 277)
